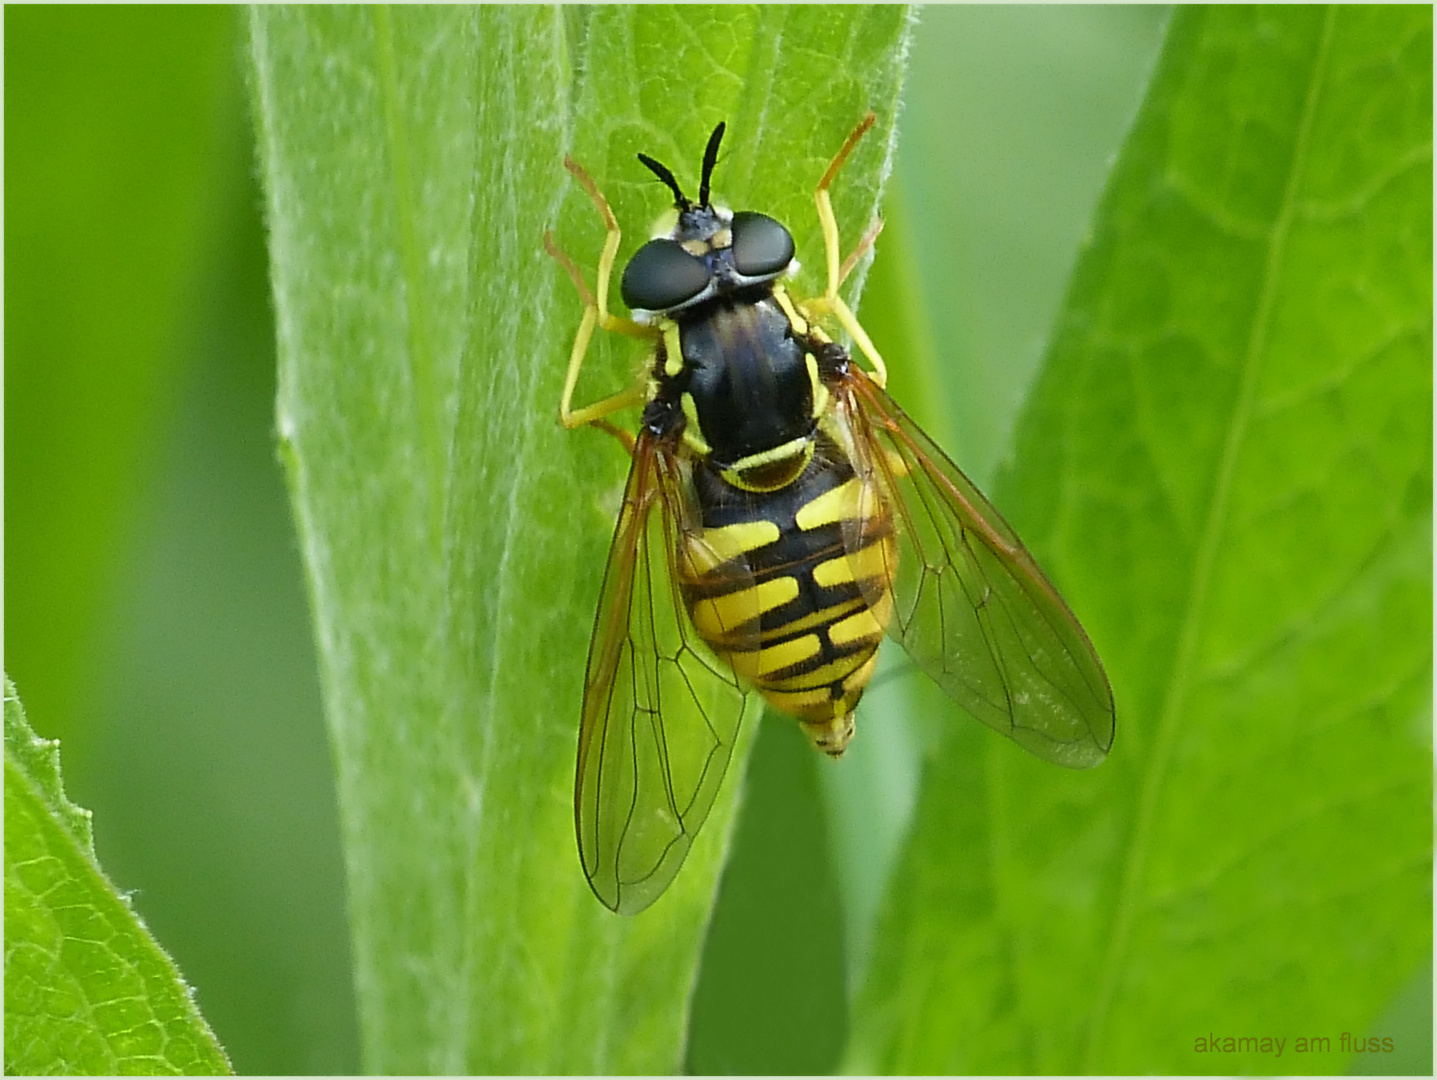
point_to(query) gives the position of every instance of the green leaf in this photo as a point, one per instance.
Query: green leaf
(115, 175)
(87, 989)
(453, 535)
(1226, 466)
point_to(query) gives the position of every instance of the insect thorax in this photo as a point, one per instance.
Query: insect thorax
(746, 389)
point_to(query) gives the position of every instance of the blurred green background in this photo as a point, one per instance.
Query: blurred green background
(155, 604)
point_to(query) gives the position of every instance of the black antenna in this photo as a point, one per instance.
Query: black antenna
(662, 172)
(710, 160)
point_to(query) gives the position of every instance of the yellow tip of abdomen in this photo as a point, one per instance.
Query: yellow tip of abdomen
(831, 736)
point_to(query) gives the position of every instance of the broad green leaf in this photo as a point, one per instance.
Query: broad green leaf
(150, 561)
(1226, 466)
(1012, 117)
(116, 152)
(453, 535)
(87, 989)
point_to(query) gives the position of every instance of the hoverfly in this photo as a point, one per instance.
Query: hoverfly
(781, 516)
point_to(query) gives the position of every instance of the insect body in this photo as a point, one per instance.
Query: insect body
(801, 517)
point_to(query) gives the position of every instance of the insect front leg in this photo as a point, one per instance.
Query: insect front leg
(839, 269)
(596, 313)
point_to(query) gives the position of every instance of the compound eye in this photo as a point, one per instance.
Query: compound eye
(662, 275)
(761, 246)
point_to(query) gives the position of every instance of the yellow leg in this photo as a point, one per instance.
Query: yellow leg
(864, 243)
(838, 270)
(596, 313)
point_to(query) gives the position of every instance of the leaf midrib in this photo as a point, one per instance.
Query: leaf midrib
(1195, 607)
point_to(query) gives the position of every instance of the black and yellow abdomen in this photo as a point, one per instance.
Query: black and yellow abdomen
(803, 622)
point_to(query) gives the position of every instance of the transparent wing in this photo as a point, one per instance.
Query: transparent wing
(971, 606)
(660, 713)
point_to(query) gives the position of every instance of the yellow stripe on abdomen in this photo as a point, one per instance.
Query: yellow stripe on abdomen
(874, 561)
(714, 547)
(719, 617)
(758, 665)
